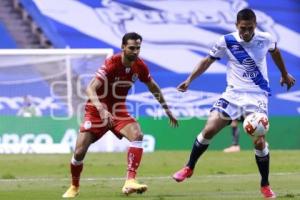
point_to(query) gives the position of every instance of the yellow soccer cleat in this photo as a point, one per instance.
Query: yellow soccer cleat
(72, 192)
(132, 186)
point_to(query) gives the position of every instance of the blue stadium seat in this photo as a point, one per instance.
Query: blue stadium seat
(6, 40)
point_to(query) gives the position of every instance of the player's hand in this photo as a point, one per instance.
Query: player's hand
(107, 118)
(173, 120)
(182, 87)
(289, 80)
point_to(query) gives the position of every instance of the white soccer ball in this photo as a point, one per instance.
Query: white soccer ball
(256, 124)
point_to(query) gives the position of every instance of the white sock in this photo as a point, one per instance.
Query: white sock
(202, 140)
(76, 162)
(262, 153)
(137, 144)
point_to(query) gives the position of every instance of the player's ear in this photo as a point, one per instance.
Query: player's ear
(122, 46)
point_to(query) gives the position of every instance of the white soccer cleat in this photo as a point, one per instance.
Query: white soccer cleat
(232, 149)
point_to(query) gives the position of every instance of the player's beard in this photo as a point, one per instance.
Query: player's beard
(131, 57)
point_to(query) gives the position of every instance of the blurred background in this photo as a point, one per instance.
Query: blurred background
(50, 49)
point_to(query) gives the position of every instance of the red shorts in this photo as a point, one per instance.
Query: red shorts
(94, 124)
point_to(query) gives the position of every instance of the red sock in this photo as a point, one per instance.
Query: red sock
(75, 172)
(134, 157)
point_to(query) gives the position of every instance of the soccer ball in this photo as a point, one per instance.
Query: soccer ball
(256, 124)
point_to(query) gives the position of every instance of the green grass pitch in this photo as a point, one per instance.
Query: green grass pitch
(217, 176)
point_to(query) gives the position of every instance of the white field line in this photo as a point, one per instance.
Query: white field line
(45, 179)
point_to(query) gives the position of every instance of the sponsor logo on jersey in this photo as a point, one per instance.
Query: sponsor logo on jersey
(249, 64)
(235, 47)
(250, 74)
(250, 68)
(127, 70)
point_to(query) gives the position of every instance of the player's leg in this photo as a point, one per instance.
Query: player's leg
(235, 133)
(133, 133)
(259, 103)
(83, 142)
(262, 157)
(216, 121)
(235, 147)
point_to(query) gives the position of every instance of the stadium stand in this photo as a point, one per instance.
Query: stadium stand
(20, 26)
(100, 26)
(170, 57)
(6, 41)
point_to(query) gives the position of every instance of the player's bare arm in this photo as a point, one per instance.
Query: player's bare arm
(286, 78)
(92, 95)
(198, 70)
(155, 90)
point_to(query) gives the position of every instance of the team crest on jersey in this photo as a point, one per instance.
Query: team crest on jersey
(260, 44)
(134, 77)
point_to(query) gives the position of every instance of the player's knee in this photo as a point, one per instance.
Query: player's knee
(259, 143)
(79, 153)
(209, 132)
(137, 136)
(134, 134)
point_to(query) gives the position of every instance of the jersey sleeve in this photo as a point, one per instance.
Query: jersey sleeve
(144, 73)
(105, 70)
(272, 42)
(219, 49)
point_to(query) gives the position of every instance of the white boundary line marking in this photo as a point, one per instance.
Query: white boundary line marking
(142, 178)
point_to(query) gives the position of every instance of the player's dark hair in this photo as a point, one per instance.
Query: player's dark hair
(246, 14)
(131, 36)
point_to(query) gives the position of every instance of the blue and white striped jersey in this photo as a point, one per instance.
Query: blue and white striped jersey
(247, 67)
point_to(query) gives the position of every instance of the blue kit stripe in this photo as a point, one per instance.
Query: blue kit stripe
(244, 59)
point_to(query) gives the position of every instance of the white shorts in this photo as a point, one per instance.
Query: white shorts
(237, 104)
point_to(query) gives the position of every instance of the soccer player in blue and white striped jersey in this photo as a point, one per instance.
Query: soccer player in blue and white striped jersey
(247, 89)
